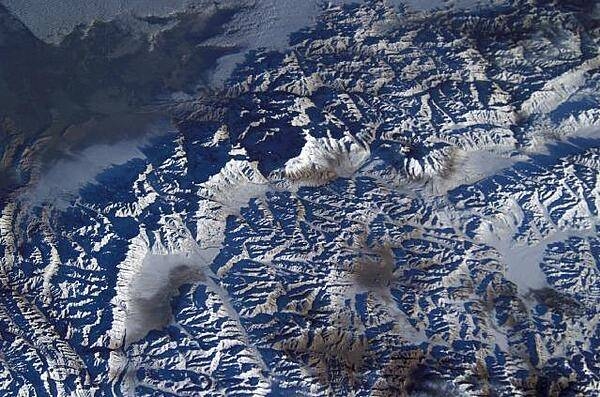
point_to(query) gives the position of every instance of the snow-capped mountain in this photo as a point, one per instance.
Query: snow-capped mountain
(403, 202)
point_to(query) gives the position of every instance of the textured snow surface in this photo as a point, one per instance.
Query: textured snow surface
(398, 204)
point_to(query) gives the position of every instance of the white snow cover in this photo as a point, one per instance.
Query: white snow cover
(324, 159)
